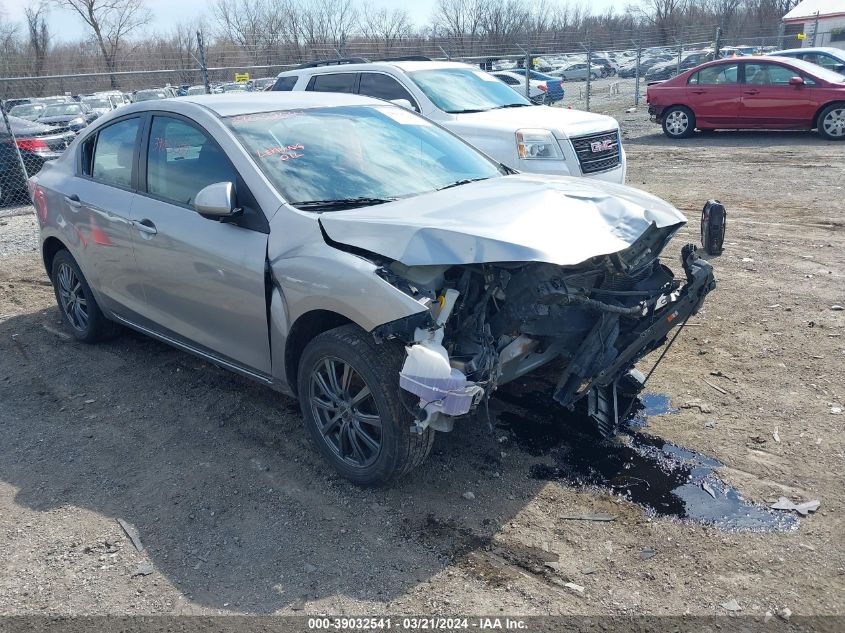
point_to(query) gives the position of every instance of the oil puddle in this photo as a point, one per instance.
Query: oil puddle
(665, 479)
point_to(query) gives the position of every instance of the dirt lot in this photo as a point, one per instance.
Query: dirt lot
(237, 514)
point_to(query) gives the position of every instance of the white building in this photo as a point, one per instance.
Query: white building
(822, 22)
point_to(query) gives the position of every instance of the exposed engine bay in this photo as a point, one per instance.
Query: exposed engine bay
(489, 323)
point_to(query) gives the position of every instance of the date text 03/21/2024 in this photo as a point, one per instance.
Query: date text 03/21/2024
(416, 624)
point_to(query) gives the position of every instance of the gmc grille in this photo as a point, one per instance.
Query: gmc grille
(597, 152)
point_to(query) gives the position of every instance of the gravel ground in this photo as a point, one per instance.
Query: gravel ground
(236, 513)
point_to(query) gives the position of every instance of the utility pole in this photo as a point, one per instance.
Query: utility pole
(718, 46)
(639, 46)
(815, 29)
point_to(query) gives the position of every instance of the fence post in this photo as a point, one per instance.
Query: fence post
(448, 56)
(680, 52)
(781, 32)
(718, 46)
(589, 48)
(637, 73)
(203, 65)
(815, 30)
(528, 72)
(15, 148)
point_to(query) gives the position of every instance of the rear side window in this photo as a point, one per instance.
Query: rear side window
(337, 82)
(383, 87)
(285, 83)
(114, 153)
(716, 75)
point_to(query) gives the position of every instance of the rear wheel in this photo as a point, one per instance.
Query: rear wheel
(352, 404)
(76, 302)
(678, 122)
(832, 122)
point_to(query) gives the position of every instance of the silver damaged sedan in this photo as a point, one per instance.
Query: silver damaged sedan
(354, 255)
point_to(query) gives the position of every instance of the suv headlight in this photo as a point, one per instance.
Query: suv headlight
(76, 121)
(537, 144)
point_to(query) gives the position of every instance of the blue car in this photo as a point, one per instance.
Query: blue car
(554, 84)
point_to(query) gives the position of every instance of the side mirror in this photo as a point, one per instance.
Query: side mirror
(796, 81)
(217, 200)
(403, 103)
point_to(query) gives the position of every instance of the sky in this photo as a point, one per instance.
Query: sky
(66, 26)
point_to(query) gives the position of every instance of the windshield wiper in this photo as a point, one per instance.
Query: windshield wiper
(513, 105)
(339, 204)
(468, 111)
(458, 183)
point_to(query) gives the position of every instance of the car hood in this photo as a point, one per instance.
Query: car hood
(563, 123)
(520, 218)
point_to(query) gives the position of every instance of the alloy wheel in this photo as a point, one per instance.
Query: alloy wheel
(345, 411)
(677, 122)
(72, 297)
(834, 123)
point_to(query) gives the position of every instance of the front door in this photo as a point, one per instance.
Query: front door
(203, 279)
(713, 93)
(768, 100)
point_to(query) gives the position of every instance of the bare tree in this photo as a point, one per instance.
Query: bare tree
(39, 36)
(665, 15)
(384, 28)
(111, 22)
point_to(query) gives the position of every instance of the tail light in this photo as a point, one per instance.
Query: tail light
(32, 145)
(543, 87)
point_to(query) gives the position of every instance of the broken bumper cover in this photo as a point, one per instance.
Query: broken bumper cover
(590, 368)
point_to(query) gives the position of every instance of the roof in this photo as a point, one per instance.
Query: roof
(836, 52)
(808, 9)
(234, 103)
(407, 66)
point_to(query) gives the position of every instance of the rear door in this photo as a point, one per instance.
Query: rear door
(98, 204)
(204, 280)
(713, 94)
(768, 100)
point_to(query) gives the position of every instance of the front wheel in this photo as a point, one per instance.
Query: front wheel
(352, 404)
(678, 122)
(832, 122)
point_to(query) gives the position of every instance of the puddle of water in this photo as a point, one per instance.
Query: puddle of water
(665, 479)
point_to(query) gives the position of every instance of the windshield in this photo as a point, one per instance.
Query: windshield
(25, 110)
(147, 95)
(61, 109)
(457, 90)
(816, 71)
(374, 154)
(98, 104)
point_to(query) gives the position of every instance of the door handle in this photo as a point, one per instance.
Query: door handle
(698, 92)
(73, 200)
(145, 226)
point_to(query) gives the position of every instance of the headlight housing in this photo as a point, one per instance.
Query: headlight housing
(76, 121)
(537, 145)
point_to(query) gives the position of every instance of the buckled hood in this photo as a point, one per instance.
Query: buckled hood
(520, 218)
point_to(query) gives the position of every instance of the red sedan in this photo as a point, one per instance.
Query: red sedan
(751, 93)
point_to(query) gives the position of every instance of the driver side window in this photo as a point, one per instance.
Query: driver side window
(182, 160)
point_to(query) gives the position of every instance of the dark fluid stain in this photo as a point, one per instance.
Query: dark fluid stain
(665, 479)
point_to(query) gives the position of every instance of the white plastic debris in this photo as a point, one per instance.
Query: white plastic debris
(576, 588)
(801, 508)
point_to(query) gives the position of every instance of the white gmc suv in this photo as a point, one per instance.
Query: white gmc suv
(480, 109)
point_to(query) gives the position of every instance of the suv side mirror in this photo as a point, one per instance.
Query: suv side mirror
(216, 201)
(796, 81)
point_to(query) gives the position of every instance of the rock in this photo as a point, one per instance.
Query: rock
(785, 613)
(132, 532)
(747, 260)
(576, 588)
(710, 424)
(309, 568)
(731, 605)
(708, 489)
(469, 496)
(836, 410)
(647, 552)
(145, 568)
(776, 435)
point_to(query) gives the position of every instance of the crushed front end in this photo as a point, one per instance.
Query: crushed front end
(488, 324)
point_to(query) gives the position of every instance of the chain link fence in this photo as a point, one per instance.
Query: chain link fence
(612, 71)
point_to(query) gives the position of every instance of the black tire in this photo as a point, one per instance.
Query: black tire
(68, 280)
(374, 367)
(678, 122)
(831, 122)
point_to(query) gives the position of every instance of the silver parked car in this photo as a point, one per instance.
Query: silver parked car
(353, 254)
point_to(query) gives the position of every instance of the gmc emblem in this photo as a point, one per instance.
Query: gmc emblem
(601, 146)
